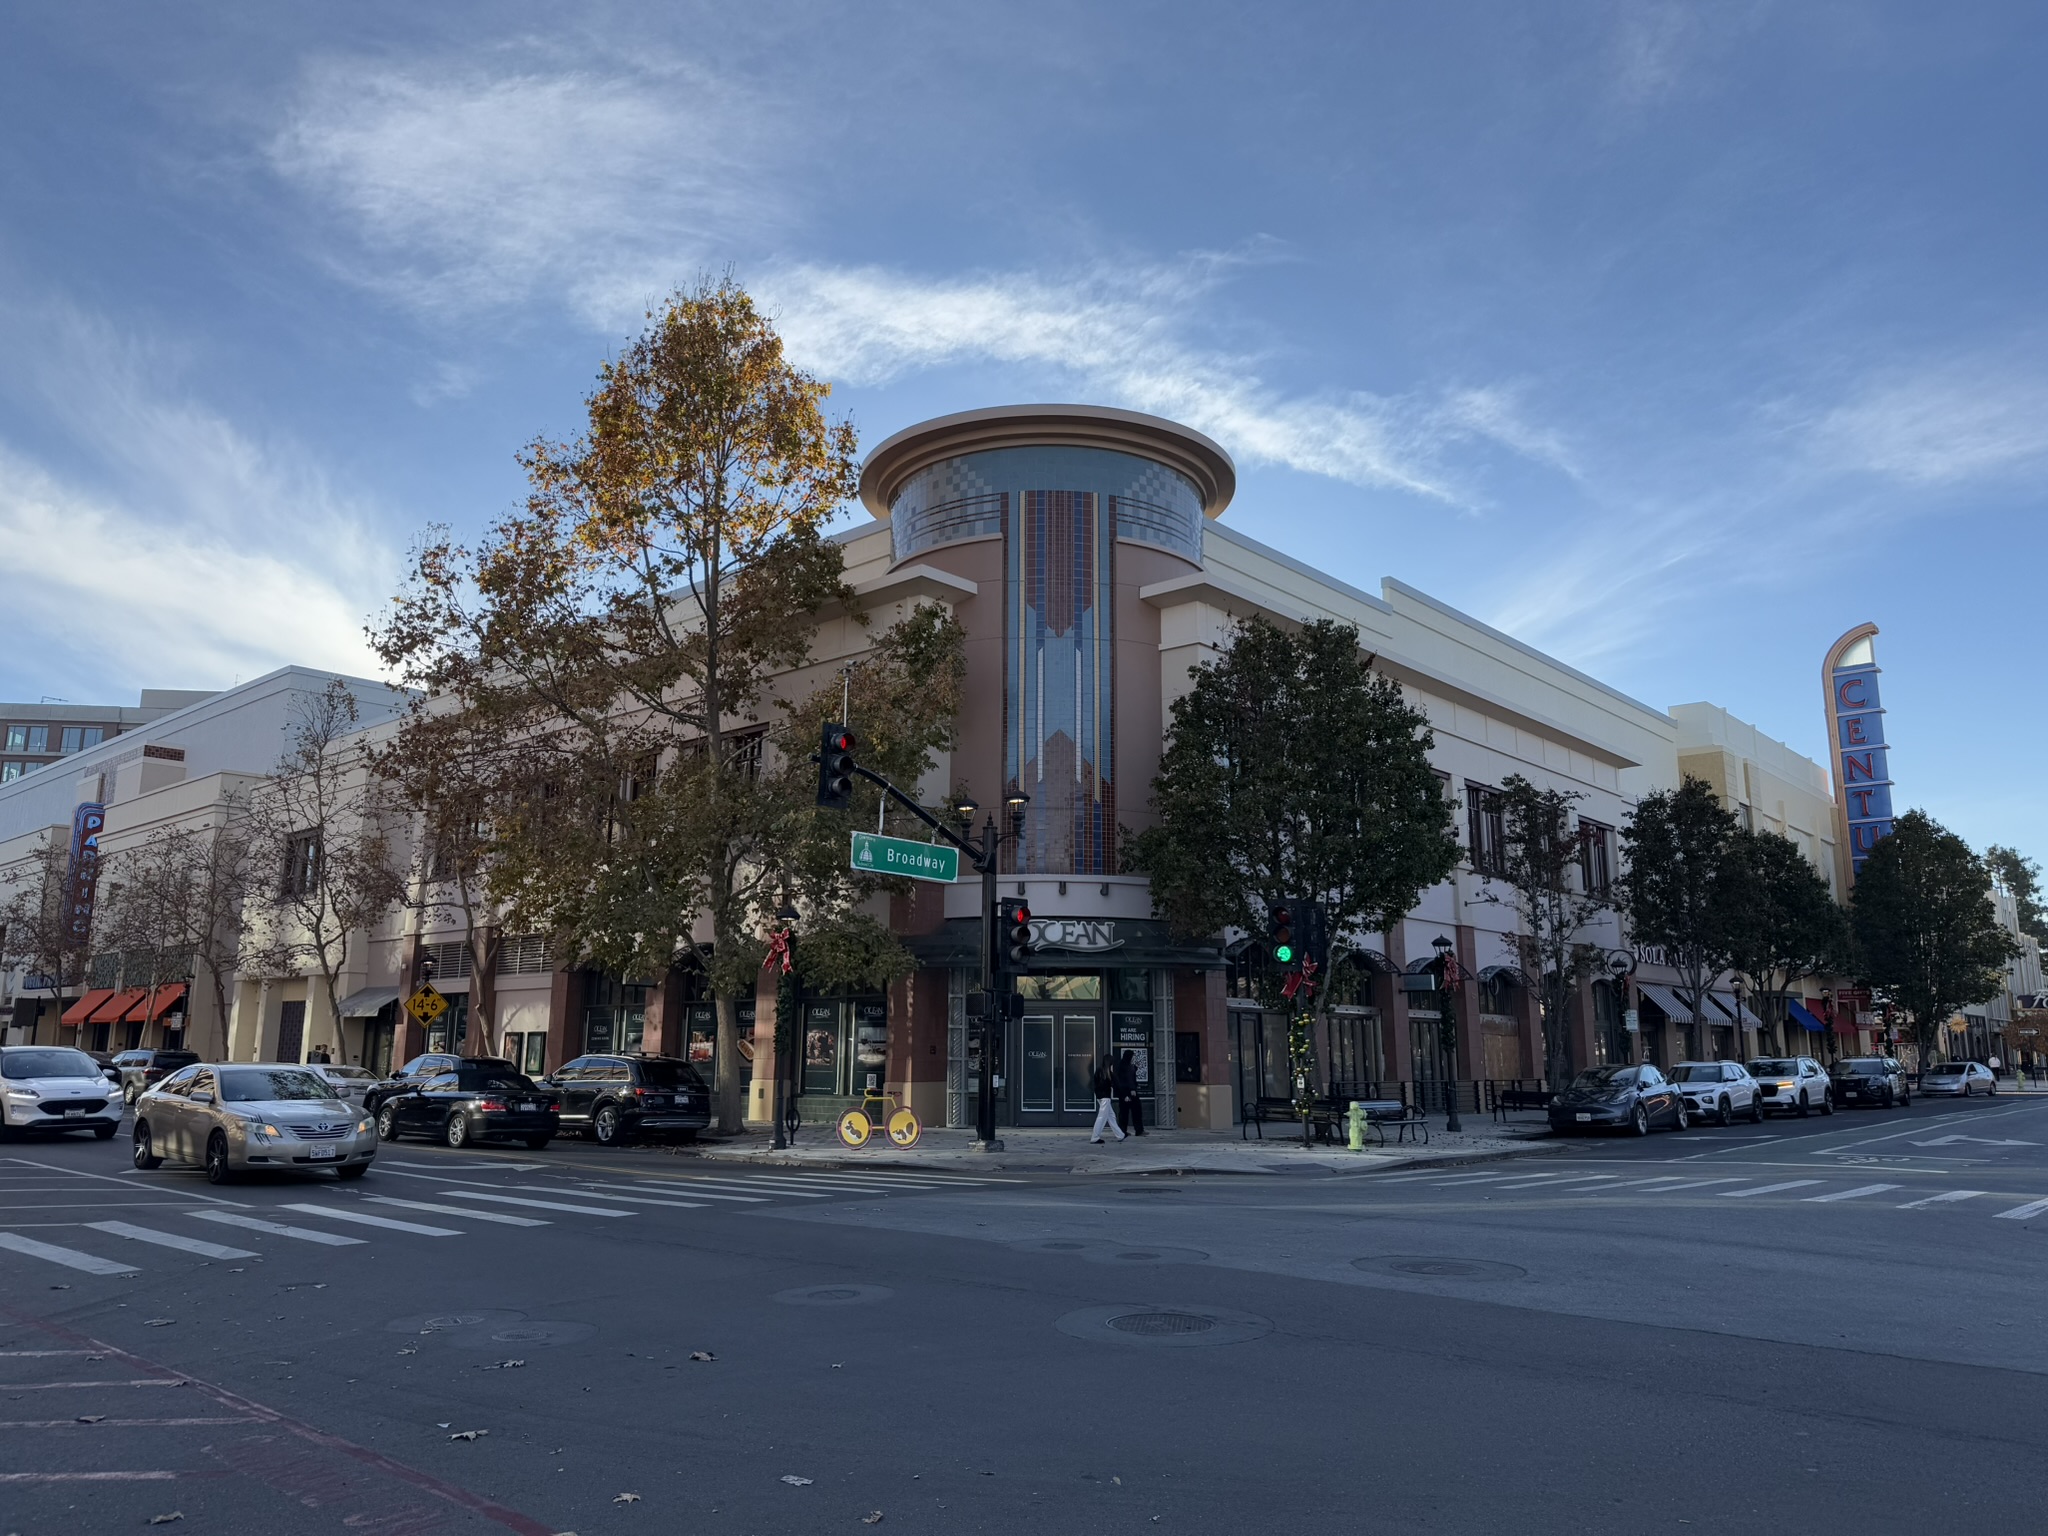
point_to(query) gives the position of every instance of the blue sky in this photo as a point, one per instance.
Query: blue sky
(1673, 339)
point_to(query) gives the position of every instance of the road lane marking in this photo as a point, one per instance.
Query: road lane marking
(121, 1423)
(70, 1258)
(539, 1205)
(1468, 1178)
(1697, 1184)
(586, 1186)
(865, 1184)
(1849, 1194)
(679, 1205)
(468, 1162)
(128, 1182)
(91, 1477)
(277, 1229)
(2025, 1212)
(456, 1210)
(795, 1194)
(1669, 1178)
(171, 1240)
(1768, 1189)
(364, 1218)
(70, 1386)
(1589, 1178)
(1945, 1198)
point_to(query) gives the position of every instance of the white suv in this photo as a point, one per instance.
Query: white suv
(1796, 1084)
(56, 1088)
(1718, 1091)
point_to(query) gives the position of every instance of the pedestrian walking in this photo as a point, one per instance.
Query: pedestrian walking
(1104, 1085)
(1130, 1110)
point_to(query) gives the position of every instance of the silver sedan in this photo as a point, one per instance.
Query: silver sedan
(233, 1118)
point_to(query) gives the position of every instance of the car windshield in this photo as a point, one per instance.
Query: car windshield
(669, 1074)
(491, 1077)
(352, 1074)
(266, 1087)
(1605, 1077)
(1948, 1069)
(1773, 1066)
(1859, 1069)
(50, 1063)
(1696, 1072)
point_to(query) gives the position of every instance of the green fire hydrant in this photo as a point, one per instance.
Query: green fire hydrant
(1356, 1126)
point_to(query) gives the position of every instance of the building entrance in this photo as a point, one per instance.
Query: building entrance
(1058, 1041)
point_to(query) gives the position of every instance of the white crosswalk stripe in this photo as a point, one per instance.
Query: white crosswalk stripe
(170, 1240)
(364, 1218)
(1672, 1189)
(70, 1258)
(1768, 1189)
(499, 1218)
(1557, 1183)
(690, 1187)
(1462, 1178)
(1674, 1179)
(539, 1205)
(2025, 1212)
(866, 1184)
(1849, 1194)
(799, 1194)
(1946, 1197)
(678, 1205)
(277, 1229)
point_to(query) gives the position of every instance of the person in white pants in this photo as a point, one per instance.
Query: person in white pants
(1105, 1105)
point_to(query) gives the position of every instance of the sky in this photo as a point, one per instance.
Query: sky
(1675, 340)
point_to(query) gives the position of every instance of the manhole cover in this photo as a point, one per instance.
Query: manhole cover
(453, 1323)
(833, 1295)
(454, 1320)
(1424, 1268)
(533, 1335)
(1158, 1324)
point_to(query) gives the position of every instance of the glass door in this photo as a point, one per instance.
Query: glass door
(1034, 1065)
(1078, 1055)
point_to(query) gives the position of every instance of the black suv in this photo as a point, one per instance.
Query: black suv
(144, 1069)
(615, 1098)
(420, 1068)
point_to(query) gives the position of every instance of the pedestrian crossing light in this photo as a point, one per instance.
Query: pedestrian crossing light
(835, 767)
(1280, 928)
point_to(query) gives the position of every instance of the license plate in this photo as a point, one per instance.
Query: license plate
(528, 1107)
(324, 1154)
(74, 1114)
(1583, 1117)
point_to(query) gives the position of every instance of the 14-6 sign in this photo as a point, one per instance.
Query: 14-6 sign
(877, 855)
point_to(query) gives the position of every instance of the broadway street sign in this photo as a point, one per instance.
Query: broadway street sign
(878, 855)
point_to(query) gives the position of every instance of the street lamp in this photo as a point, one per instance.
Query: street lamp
(991, 841)
(1447, 1026)
(1740, 1026)
(1827, 1003)
(786, 1032)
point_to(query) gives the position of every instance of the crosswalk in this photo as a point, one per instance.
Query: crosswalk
(442, 1200)
(1811, 1191)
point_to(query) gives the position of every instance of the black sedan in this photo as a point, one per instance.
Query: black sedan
(472, 1103)
(1878, 1080)
(409, 1077)
(1619, 1098)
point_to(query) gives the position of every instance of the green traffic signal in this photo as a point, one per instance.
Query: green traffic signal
(1283, 953)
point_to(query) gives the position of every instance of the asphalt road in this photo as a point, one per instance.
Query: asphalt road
(1829, 1324)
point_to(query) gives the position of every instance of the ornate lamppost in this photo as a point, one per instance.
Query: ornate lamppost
(1448, 980)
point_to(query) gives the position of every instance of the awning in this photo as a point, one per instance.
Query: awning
(367, 1003)
(1511, 974)
(1668, 1001)
(1737, 1011)
(150, 1009)
(1802, 1016)
(81, 1010)
(1375, 961)
(117, 1005)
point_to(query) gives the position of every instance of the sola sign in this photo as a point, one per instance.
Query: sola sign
(1863, 779)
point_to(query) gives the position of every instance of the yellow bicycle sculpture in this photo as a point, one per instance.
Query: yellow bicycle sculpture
(857, 1125)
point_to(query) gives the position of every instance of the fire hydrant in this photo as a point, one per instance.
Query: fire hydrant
(1356, 1126)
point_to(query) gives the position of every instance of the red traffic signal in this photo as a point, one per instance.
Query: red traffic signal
(835, 767)
(1016, 933)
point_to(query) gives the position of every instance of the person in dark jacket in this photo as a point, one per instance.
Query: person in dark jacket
(1103, 1083)
(1130, 1112)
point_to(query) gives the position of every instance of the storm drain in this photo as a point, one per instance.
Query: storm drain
(1156, 1325)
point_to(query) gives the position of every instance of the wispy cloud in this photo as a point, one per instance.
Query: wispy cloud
(1952, 422)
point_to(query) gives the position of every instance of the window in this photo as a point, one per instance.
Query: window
(1596, 867)
(94, 735)
(1486, 836)
(17, 738)
(74, 738)
(302, 864)
(452, 960)
(523, 954)
(9, 773)
(39, 738)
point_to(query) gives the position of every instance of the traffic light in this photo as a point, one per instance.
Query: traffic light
(1280, 935)
(1014, 924)
(835, 767)
(1315, 934)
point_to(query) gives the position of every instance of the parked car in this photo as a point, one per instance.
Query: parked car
(473, 1101)
(143, 1068)
(1718, 1091)
(1619, 1097)
(232, 1118)
(1871, 1080)
(615, 1098)
(56, 1088)
(419, 1069)
(1959, 1078)
(351, 1083)
(1795, 1084)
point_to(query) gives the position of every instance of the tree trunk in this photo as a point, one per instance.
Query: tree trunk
(483, 992)
(733, 1074)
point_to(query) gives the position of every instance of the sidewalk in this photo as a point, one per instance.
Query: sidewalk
(1156, 1152)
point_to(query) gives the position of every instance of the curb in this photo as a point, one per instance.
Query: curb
(997, 1163)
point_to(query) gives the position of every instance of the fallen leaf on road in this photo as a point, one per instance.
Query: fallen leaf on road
(444, 1424)
(625, 1498)
(874, 1519)
(176, 1514)
(60, 1287)
(796, 1482)
(469, 1434)
(158, 1322)
(503, 1365)
(90, 1418)
(410, 1349)
(1118, 1481)
(702, 1354)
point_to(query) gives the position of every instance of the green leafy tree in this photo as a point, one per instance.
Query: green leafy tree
(1542, 865)
(1926, 926)
(1293, 771)
(2021, 876)
(1676, 843)
(1779, 920)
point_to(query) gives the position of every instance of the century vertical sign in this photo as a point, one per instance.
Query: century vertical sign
(1863, 779)
(82, 873)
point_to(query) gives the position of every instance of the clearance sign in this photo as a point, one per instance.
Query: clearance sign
(1863, 780)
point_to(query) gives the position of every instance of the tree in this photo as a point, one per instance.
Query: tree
(1294, 772)
(175, 914)
(1778, 919)
(623, 626)
(42, 928)
(1926, 925)
(2022, 877)
(1542, 864)
(1676, 843)
(322, 867)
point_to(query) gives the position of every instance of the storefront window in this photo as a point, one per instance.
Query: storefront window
(1062, 989)
(700, 1036)
(614, 1015)
(845, 1045)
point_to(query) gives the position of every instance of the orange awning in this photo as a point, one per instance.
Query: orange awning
(116, 1005)
(78, 1011)
(148, 1011)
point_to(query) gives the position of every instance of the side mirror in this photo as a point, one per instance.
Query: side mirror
(202, 1097)
(113, 1074)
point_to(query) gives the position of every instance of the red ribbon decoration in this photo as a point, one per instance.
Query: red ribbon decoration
(778, 945)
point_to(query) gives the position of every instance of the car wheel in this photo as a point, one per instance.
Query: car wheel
(217, 1170)
(387, 1123)
(1682, 1120)
(1827, 1101)
(537, 1142)
(1805, 1109)
(128, 1095)
(1727, 1115)
(607, 1127)
(456, 1133)
(1640, 1124)
(1992, 1091)
(1756, 1109)
(145, 1148)
(352, 1172)
(104, 1132)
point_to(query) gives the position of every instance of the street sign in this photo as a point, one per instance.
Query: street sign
(877, 855)
(426, 1005)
